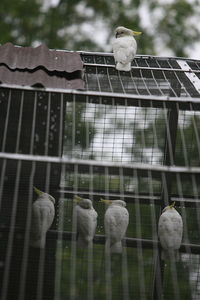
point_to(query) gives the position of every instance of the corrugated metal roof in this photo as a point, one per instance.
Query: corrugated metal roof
(39, 78)
(40, 66)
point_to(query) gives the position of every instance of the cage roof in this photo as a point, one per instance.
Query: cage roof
(149, 76)
(40, 66)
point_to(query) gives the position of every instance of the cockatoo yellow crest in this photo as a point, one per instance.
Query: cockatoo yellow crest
(86, 218)
(170, 230)
(43, 212)
(124, 48)
(116, 221)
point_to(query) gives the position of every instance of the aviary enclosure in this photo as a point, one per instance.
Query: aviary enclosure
(133, 136)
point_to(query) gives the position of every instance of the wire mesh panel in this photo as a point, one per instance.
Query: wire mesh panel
(149, 76)
(132, 136)
(131, 274)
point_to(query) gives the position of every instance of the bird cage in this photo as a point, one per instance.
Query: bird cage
(133, 136)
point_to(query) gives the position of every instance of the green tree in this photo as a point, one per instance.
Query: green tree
(80, 25)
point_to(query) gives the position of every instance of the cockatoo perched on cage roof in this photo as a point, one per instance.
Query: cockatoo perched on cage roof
(116, 221)
(170, 230)
(43, 212)
(124, 48)
(86, 217)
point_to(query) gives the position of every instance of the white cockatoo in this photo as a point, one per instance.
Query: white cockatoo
(116, 221)
(124, 48)
(86, 218)
(170, 230)
(43, 212)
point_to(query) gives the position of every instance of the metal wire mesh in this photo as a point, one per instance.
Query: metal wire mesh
(132, 136)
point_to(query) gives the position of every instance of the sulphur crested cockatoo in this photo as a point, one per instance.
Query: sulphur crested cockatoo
(43, 212)
(124, 48)
(170, 230)
(86, 218)
(116, 221)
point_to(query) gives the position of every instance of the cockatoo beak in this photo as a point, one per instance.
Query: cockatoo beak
(77, 199)
(106, 201)
(136, 32)
(38, 192)
(172, 205)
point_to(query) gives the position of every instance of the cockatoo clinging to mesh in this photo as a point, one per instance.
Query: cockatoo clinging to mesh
(170, 230)
(116, 221)
(124, 48)
(86, 218)
(43, 212)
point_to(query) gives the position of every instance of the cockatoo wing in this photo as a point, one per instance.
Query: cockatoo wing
(170, 229)
(43, 213)
(116, 221)
(86, 223)
(124, 50)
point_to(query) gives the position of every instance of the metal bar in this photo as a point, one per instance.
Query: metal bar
(59, 246)
(73, 242)
(40, 277)
(6, 122)
(31, 151)
(10, 248)
(129, 197)
(47, 125)
(169, 159)
(90, 257)
(155, 98)
(2, 178)
(196, 131)
(96, 164)
(157, 291)
(61, 128)
(25, 248)
(100, 239)
(137, 56)
(185, 221)
(125, 278)
(139, 244)
(19, 123)
(143, 68)
(108, 275)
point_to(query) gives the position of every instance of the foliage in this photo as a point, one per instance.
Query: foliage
(89, 25)
(77, 127)
(176, 26)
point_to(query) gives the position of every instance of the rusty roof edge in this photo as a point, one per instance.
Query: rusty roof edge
(30, 58)
(103, 94)
(145, 56)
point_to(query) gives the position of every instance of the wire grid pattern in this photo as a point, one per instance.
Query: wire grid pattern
(94, 147)
(115, 133)
(130, 275)
(149, 76)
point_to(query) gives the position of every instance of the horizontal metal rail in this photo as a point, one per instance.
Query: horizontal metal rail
(100, 239)
(129, 242)
(167, 99)
(111, 54)
(147, 56)
(144, 68)
(91, 163)
(188, 201)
